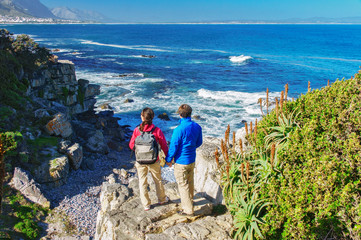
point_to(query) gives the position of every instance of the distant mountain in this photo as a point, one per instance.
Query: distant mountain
(79, 15)
(25, 8)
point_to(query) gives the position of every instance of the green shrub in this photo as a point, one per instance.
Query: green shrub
(42, 141)
(315, 193)
(27, 215)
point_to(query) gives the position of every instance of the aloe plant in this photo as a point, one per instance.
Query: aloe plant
(248, 217)
(281, 133)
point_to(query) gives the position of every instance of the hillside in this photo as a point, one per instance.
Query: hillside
(79, 15)
(24, 8)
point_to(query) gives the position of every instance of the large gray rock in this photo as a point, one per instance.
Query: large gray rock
(41, 113)
(53, 172)
(23, 182)
(122, 215)
(96, 143)
(75, 155)
(211, 228)
(59, 126)
(92, 90)
(206, 174)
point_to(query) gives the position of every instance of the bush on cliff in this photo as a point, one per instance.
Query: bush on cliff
(18, 55)
(306, 186)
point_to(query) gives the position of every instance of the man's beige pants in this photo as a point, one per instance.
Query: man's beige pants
(184, 175)
(154, 170)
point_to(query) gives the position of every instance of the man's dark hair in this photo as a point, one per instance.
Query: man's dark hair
(185, 110)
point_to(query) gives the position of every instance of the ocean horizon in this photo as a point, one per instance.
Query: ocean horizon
(221, 70)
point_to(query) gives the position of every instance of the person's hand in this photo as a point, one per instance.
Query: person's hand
(169, 164)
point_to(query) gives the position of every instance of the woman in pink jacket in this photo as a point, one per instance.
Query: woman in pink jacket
(147, 125)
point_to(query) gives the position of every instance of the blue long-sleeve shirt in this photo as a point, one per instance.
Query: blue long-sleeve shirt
(186, 138)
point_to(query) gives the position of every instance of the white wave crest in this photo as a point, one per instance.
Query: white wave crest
(240, 59)
(125, 46)
(230, 96)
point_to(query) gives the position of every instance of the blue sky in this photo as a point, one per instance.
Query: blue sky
(213, 10)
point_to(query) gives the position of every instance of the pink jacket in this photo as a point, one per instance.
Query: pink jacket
(159, 136)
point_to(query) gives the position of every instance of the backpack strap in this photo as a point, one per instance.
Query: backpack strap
(153, 129)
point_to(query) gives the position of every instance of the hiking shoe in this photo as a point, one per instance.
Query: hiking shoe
(167, 200)
(181, 213)
(146, 208)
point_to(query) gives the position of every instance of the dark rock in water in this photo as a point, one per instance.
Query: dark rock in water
(243, 121)
(197, 117)
(148, 56)
(128, 100)
(105, 106)
(164, 116)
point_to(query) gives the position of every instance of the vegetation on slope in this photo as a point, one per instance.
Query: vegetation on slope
(20, 57)
(300, 176)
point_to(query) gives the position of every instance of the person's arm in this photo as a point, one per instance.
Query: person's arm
(200, 138)
(132, 139)
(162, 141)
(174, 145)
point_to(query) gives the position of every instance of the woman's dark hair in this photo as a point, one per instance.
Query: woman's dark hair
(148, 116)
(185, 110)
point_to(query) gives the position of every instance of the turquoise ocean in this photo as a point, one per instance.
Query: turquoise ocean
(220, 70)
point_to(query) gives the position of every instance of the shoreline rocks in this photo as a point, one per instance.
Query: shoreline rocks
(122, 215)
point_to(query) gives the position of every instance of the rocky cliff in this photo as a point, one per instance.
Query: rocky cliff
(59, 125)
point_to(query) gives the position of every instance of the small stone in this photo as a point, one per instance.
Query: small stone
(123, 173)
(128, 100)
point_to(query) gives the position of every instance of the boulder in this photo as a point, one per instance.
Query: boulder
(105, 106)
(128, 100)
(206, 175)
(211, 228)
(63, 145)
(53, 172)
(41, 113)
(75, 155)
(59, 126)
(96, 143)
(23, 182)
(83, 83)
(122, 215)
(92, 90)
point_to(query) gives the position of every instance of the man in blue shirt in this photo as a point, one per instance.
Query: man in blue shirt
(186, 138)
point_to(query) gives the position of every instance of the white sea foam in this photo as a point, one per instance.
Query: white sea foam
(214, 107)
(125, 46)
(240, 59)
(61, 50)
